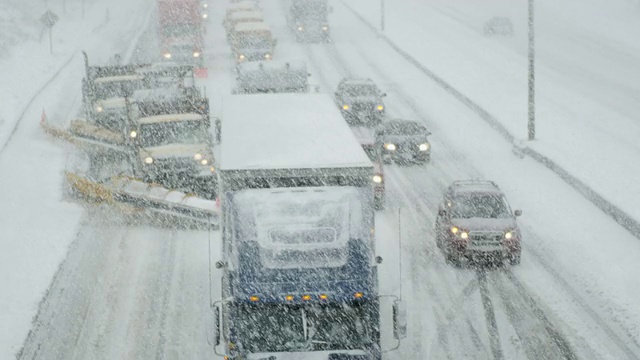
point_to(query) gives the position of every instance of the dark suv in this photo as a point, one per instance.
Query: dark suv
(404, 141)
(360, 101)
(475, 222)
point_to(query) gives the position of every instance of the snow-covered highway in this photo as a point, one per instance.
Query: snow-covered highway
(136, 290)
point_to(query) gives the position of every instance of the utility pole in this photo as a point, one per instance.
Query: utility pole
(531, 126)
(381, 15)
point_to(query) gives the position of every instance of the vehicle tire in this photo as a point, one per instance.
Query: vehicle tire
(452, 258)
(515, 259)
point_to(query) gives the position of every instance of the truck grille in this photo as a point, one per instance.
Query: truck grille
(175, 165)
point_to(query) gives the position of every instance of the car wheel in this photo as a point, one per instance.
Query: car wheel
(514, 259)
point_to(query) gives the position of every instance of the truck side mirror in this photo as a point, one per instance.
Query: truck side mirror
(442, 212)
(383, 94)
(378, 259)
(517, 212)
(216, 322)
(218, 125)
(399, 320)
(220, 264)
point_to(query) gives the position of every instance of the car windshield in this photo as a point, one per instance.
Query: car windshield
(480, 205)
(407, 128)
(184, 132)
(361, 90)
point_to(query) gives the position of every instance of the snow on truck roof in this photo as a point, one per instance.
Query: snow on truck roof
(280, 131)
(271, 65)
(252, 26)
(169, 118)
(119, 78)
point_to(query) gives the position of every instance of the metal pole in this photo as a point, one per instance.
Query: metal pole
(531, 126)
(381, 15)
(400, 250)
(83, 9)
(50, 40)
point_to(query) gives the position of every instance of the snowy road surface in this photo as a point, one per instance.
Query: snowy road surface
(135, 291)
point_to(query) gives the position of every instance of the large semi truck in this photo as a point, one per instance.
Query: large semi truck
(298, 252)
(181, 30)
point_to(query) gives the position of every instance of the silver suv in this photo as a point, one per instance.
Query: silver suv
(475, 222)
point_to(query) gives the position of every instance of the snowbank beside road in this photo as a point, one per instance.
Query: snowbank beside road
(587, 84)
(37, 227)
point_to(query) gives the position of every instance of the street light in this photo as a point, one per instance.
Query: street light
(531, 125)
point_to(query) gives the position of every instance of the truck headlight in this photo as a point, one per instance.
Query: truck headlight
(423, 147)
(346, 107)
(300, 28)
(99, 108)
(390, 147)
(196, 54)
(380, 107)
(197, 156)
(267, 56)
(325, 28)
(133, 134)
(508, 235)
(167, 55)
(204, 16)
(148, 160)
(204, 161)
(454, 230)
(377, 179)
(464, 235)
(241, 57)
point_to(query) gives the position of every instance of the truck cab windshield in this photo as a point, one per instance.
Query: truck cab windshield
(254, 40)
(187, 132)
(179, 30)
(117, 89)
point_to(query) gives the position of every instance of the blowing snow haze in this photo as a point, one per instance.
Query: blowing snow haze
(319, 179)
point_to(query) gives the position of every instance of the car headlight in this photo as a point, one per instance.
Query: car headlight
(267, 56)
(133, 134)
(196, 54)
(390, 147)
(423, 147)
(346, 107)
(205, 5)
(204, 16)
(241, 57)
(380, 107)
(197, 156)
(508, 235)
(212, 169)
(377, 179)
(148, 160)
(325, 28)
(464, 235)
(300, 28)
(167, 55)
(454, 230)
(99, 108)
(204, 161)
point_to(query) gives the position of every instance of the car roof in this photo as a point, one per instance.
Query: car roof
(474, 186)
(357, 81)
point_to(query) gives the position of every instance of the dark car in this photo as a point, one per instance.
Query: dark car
(360, 101)
(404, 141)
(475, 222)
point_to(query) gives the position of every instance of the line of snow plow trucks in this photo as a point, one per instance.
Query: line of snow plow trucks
(146, 132)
